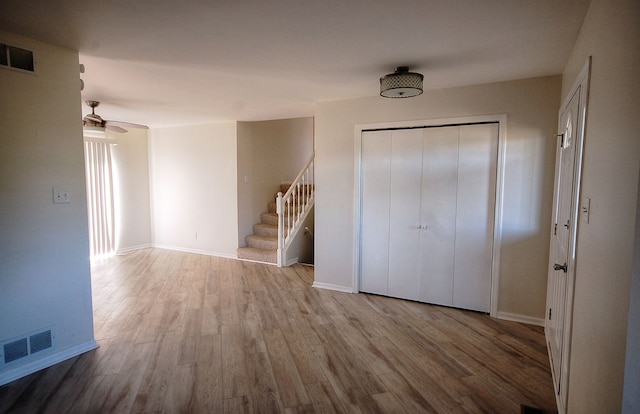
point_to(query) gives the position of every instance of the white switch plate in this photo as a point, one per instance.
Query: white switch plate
(61, 195)
(585, 209)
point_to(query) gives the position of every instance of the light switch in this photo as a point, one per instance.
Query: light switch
(61, 195)
(585, 209)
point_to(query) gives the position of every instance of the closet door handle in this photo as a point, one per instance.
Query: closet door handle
(422, 227)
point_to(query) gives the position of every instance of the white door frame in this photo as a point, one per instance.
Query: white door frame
(501, 119)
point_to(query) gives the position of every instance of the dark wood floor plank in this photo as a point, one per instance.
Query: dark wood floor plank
(408, 396)
(264, 389)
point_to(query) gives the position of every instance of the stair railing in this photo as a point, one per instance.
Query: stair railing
(293, 207)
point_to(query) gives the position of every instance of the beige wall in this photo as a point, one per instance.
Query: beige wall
(268, 152)
(531, 106)
(131, 188)
(194, 188)
(611, 35)
(44, 247)
(631, 393)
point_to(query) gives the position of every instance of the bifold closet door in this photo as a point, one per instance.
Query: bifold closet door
(390, 220)
(374, 218)
(427, 211)
(475, 215)
(438, 208)
(405, 224)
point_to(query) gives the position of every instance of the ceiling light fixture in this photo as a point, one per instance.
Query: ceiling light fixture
(401, 83)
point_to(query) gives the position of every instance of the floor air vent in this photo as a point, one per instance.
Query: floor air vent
(21, 347)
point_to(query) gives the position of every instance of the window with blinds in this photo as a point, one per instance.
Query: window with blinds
(100, 203)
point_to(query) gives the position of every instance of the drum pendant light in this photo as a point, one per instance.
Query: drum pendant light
(401, 83)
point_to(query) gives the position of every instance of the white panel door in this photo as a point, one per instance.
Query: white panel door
(561, 241)
(477, 164)
(376, 182)
(405, 221)
(438, 214)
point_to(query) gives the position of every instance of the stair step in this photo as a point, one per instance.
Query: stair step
(262, 245)
(268, 230)
(257, 255)
(269, 218)
(262, 242)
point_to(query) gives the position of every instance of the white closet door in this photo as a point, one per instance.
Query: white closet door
(438, 212)
(376, 182)
(427, 214)
(478, 154)
(405, 221)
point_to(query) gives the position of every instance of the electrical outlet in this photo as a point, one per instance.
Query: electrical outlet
(61, 195)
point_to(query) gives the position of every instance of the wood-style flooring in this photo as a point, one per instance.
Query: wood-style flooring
(188, 333)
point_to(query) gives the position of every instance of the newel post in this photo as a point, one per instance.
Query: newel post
(279, 210)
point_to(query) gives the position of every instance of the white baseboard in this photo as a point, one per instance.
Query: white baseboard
(133, 248)
(329, 286)
(254, 261)
(35, 366)
(196, 251)
(520, 318)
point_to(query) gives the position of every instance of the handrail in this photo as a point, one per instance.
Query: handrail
(293, 207)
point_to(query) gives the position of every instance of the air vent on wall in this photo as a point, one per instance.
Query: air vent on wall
(25, 345)
(17, 58)
(15, 350)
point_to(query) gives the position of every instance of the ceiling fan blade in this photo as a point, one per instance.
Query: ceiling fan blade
(127, 124)
(94, 118)
(116, 128)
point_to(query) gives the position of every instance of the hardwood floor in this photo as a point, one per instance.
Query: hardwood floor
(187, 333)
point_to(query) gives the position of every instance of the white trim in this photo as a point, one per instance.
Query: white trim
(30, 368)
(501, 119)
(497, 225)
(329, 286)
(256, 261)
(133, 248)
(513, 317)
(196, 251)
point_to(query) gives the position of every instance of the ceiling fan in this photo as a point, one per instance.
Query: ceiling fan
(94, 121)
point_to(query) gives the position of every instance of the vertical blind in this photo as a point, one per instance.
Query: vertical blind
(97, 152)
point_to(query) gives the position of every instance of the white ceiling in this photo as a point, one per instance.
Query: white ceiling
(166, 62)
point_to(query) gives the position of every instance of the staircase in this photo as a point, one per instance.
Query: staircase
(262, 245)
(278, 227)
